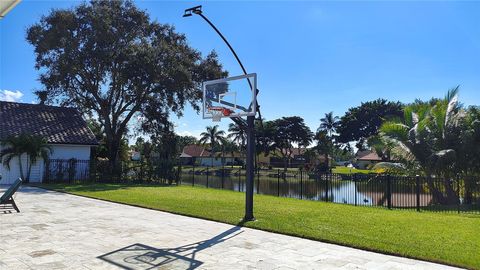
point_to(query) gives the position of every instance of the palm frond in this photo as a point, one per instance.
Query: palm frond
(395, 130)
(7, 159)
(401, 150)
(452, 93)
(390, 167)
(451, 111)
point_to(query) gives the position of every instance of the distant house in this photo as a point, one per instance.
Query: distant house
(198, 155)
(366, 159)
(191, 153)
(64, 129)
(297, 158)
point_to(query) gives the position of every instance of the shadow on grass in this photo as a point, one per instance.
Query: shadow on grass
(141, 256)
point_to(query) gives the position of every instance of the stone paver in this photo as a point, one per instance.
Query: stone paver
(61, 231)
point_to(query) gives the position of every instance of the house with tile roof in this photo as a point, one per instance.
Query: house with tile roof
(198, 155)
(64, 129)
(366, 159)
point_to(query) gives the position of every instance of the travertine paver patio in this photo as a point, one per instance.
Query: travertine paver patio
(57, 231)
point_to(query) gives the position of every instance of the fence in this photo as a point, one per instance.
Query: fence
(62, 170)
(85, 171)
(389, 191)
(399, 192)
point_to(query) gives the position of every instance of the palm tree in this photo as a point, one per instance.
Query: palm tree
(329, 124)
(229, 146)
(237, 134)
(426, 140)
(31, 145)
(324, 146)
(212, 136)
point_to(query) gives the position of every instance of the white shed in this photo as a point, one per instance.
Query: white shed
(64, 128)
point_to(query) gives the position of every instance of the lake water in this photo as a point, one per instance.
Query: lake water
(372, 192)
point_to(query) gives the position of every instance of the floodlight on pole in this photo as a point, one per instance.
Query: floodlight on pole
(195, 10)
(198, 11)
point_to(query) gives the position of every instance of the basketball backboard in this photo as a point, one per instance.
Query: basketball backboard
(230, 97)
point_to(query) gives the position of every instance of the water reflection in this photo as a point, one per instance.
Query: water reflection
(367, 190)
(343, 194)
(338, 191)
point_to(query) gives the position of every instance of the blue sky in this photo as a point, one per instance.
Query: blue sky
(311, 57)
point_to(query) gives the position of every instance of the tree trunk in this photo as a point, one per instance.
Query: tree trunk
(469, 187)
(451, 197)
(113, 149)
(29, 170)
(437, 195)
(20, 166)
(327, 161)
(223, 157)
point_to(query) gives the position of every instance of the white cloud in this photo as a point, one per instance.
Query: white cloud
(194, 133)
(185, 133)
(13, 96)
(178, 124)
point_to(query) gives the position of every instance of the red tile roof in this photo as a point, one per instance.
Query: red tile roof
(194, 150)
(368, 155)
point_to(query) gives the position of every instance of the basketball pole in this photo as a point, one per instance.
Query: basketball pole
(250, 125)
(250, 169)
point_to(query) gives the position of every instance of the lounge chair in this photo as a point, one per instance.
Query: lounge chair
(7, 197)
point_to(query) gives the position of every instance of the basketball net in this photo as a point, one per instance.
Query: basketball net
(219, 112)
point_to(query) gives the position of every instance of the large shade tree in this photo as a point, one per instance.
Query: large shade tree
(183, 141)
(264, 138)
(359, 123)
(290, 132)
(109, 59)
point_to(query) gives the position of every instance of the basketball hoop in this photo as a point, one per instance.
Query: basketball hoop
(218, 112)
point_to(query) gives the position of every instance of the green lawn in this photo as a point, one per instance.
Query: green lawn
(346, 170)
(338, 169)
(440, 237)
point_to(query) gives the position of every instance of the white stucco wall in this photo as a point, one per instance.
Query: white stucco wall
(215, 161)
(79, 152)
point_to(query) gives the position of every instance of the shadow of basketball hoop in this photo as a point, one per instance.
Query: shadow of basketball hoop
(140, 256)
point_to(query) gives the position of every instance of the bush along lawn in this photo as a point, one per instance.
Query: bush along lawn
(438, 237)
